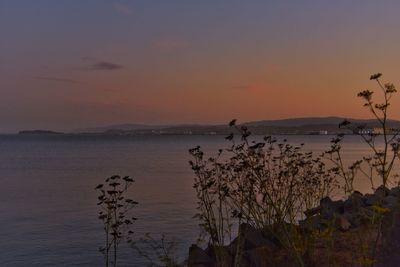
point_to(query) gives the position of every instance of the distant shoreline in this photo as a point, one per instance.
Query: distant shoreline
(162, 134)
(39, 132)
(294, 126)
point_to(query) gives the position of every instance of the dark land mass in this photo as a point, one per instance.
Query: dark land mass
(295, 126)
(118, 127)
(37, 132)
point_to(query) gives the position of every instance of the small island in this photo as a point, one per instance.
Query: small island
(37, 132)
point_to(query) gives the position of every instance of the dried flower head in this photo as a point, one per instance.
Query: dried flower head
(375, 76)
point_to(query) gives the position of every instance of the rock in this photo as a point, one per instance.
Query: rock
(259, 257)
(225, 256)
(232, 247)
(354, 219)
(377, 197)
(395, 191)
(364, 216)
(382, 191)
(389, 254)
(253, 237)
(372, 199)
(329, 207)
(198, 257)
(353, 203)
(357, 194)
(312, 223)
(342, 223)
(361, 217)
(390, 202)
(313, 211)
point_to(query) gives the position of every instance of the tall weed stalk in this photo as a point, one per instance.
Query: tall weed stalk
(114, 214)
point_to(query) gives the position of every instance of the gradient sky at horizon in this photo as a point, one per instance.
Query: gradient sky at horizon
(73, 64)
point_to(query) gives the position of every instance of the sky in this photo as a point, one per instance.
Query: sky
(70, 64)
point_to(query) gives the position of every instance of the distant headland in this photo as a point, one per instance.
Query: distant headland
(37, 132)
(292, 126)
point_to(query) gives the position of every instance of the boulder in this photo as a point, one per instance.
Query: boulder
(391, 202)
(225, 258)
(382, 191)
(342, 223)
(354, 202)
(395, 191)
(198, 257)
(373, 199)
(377, 198)
(259, 257)
(253, 238)
(362, 217)
(313, 211)
(329, 207)
(312, 223)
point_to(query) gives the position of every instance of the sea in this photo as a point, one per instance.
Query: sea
(48, 211)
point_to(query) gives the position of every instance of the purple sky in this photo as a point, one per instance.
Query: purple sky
(73, 64)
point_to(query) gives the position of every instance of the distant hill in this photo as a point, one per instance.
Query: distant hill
(308, 125)
(297, 122)
(118, 127)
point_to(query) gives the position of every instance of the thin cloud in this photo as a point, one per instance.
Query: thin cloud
(252, 88)
(170, 44)
(273, 67)
(104, 65)
(54, 79)
(122, 9)
(88, 58)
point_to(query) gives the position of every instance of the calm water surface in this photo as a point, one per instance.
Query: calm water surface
(48, 213)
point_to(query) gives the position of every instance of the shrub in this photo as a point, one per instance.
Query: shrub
(383, 141)
(267, 184)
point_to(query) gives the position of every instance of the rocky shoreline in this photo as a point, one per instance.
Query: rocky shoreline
(362, 230)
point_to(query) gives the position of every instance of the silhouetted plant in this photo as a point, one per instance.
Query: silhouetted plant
(383, 156)
(266, 184)
(269, 184)
(158, 252)
(347, 174)
(384, 145)
(114, 214)
(214, 212)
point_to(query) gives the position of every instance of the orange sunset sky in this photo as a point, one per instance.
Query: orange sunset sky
(72, 64)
